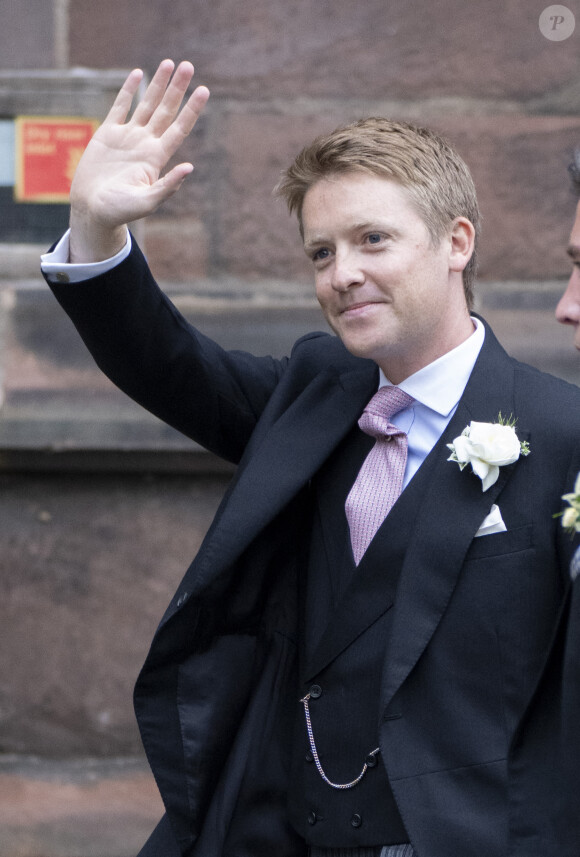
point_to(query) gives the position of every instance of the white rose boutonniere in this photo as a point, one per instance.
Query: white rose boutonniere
(487, 447)
(571, 515)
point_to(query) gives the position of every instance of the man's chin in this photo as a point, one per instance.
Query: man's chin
(358, 350)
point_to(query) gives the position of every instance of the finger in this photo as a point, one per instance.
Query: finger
(176, 133)
(122, 103)
(172, 98)
(154, 93)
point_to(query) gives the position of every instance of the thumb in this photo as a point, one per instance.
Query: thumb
(168, 184)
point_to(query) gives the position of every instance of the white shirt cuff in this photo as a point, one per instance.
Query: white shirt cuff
(59, 270)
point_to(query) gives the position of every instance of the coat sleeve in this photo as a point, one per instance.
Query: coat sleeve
(146, 347)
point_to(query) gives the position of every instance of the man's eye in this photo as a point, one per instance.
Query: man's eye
(321, 255)
(374, 238)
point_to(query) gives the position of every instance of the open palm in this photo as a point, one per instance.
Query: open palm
(119, 178)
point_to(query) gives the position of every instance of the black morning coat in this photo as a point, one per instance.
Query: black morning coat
(472, 618)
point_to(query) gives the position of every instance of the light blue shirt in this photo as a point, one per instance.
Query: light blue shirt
(437, 389)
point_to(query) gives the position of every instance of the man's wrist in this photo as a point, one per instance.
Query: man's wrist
(57, 267)
(92, 242)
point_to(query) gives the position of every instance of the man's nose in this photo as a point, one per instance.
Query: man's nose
(347, 270)
(568, 309)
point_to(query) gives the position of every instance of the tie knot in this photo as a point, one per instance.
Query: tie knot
(376, 417)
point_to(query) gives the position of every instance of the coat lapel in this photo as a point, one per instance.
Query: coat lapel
(290, 453)
(452, 508)
(436, 516)
(372, 588)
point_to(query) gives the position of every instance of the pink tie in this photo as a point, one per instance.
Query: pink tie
(380, 478)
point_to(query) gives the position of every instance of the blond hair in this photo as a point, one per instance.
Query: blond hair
(436, 177)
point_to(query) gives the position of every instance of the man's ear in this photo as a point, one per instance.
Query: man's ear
(462, 242)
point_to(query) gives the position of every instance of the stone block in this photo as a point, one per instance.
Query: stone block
(519, 164)
(276, 48)
(26, 34)
(80, 808)
(88, 567)
(177, 248)
(56, 400)
(74, 92)
(20, 261)
(487, 77)
(253, 234)
(533, 336)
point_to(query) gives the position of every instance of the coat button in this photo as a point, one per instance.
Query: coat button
(356, 820)
(308, 756)
(371, 760)
(312, 817)
(315, 691)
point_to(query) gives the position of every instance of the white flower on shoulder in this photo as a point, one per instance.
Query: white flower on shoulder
(487, 447)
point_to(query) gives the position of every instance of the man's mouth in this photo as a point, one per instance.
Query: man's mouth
(360, 306)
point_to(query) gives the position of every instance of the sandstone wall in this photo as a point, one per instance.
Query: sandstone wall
(101, 508)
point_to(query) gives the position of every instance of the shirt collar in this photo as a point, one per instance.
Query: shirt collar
(440, 384)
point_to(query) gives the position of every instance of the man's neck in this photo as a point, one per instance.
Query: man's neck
(399, 371)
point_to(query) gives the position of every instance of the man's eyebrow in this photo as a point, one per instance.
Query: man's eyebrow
(314, 241)
(360, 226)
(313, 245)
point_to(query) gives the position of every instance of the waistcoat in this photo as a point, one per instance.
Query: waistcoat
(341, 662)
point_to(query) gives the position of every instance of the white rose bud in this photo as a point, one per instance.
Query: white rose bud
(487, 447)
(494, 443)
(569, 518)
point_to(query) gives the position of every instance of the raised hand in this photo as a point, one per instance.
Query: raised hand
(119, 176)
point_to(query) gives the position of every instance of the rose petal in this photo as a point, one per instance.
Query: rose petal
(490, 479)
(462, 448)
(480, 468)
(495, 443)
